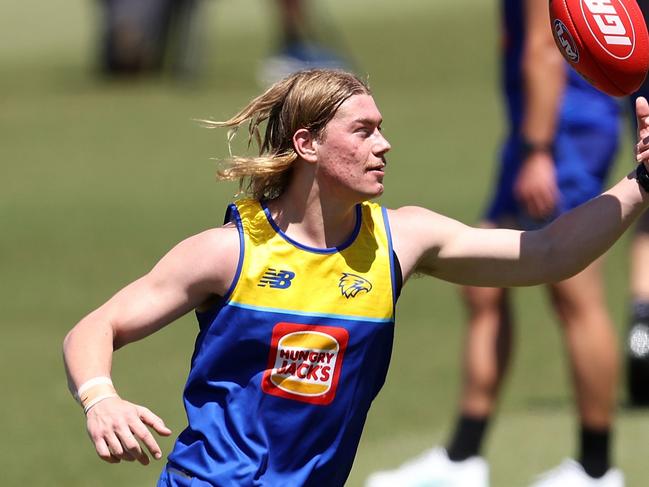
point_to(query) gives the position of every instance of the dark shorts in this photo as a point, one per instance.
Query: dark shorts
(583, 155)
(584, 150)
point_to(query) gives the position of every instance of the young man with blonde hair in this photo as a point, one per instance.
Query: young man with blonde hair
(295, 294)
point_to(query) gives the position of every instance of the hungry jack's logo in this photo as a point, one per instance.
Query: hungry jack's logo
(305, 362)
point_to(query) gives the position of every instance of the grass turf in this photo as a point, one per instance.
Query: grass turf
(98, 180)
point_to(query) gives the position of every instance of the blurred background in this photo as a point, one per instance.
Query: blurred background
(100, 175)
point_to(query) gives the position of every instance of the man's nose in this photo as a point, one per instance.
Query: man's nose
(382, 144)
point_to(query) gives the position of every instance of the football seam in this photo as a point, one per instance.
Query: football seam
(596, 65)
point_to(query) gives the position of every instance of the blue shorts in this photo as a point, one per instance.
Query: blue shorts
(174, 477)
(584, 153)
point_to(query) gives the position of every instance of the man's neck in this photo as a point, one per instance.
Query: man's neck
(312, 220)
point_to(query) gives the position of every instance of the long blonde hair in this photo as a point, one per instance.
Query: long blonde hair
(305, 100)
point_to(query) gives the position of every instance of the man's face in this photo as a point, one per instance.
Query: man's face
(351, 151)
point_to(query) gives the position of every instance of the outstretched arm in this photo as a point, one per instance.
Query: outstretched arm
(430, 243)
(195, 270)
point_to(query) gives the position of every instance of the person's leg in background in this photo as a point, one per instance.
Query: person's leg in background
(591, 346)
(637, 339)
(132, 36)
(150, 37)
(486, 357)
(299, 44)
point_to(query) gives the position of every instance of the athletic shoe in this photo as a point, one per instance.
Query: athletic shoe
(571, 474)
(433, 468)
(296, 57)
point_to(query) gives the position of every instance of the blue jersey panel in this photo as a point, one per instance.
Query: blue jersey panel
(267, 440)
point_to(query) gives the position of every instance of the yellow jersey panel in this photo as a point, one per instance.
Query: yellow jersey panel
(351, 280)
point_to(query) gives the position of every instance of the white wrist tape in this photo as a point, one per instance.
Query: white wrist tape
(94, 391)
(90, 383)
(97, 400)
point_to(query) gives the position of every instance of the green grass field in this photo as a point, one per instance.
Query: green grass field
(98, 180)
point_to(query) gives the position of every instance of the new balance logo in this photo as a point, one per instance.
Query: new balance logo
(276, 279)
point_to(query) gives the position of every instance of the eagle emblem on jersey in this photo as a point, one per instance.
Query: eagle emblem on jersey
(351, 285)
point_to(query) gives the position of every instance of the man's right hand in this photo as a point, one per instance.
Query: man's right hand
(642, 121)
(119, 431)
(536, 185)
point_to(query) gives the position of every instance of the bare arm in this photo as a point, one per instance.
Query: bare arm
(544, 77)
(195, 270)
(430, 243)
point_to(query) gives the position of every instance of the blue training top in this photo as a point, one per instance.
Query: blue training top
(586, 134)
(582, 102)
(585, 141)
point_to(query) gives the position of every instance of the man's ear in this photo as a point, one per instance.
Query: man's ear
(303, 142)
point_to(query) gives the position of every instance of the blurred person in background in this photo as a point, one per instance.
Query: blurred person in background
(563, 136)
(307, 39)
(156, 36)
(150, 37)
(637, 339)
(295, 293)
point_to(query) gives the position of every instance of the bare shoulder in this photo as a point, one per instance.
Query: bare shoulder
(412, 221)
(210, 256)
(220, 239)
(405, 214)
(419, 232)
(221, 242)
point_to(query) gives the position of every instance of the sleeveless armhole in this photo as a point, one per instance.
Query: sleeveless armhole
(395, 266)
(232, 215)
(398, 276)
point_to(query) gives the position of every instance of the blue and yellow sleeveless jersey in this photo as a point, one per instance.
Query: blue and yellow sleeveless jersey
(287, 364)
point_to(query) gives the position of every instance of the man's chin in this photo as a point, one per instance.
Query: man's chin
(378, 191)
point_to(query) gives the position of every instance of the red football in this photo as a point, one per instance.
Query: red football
(606, 41)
